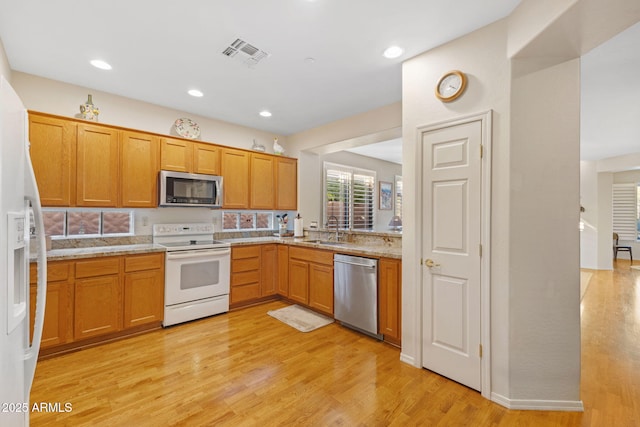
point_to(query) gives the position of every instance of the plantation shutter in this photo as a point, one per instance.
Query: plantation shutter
(349, 196)
(338, 195)
(625, 214)
(363, 201)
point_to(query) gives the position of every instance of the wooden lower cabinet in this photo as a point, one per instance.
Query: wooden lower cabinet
(104, 296)
(321, 287)
(268, 270)
(390, 299)
(58, 315)
(98, 297)
(299, 281)
(143, 289)
(245, 274)
(283, 270)
(311, 278)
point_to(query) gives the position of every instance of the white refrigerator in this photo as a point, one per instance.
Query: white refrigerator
(18, 193)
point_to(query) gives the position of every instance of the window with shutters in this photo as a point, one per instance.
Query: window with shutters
(349, 196)
(397, 208)
(625, 211)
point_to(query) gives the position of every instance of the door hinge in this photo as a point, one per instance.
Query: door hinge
(481, 151)
(480, 351)
(480, 249)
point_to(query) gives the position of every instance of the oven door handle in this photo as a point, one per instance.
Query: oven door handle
(198, 253)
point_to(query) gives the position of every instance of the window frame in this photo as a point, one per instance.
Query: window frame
(348, 222)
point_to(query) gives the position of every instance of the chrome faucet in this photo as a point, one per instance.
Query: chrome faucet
(335, 220)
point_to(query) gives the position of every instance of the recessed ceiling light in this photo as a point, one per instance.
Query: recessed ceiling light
(393, 52)
(265, 113)
(195, 92)
(98, 63)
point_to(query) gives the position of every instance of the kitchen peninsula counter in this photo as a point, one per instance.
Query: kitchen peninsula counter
(360, 249)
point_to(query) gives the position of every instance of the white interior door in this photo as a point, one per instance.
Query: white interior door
(451, 276)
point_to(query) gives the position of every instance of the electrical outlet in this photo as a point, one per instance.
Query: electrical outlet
(145, 221)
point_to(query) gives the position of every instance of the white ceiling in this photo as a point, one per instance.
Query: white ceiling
(159, 49)
(390, 150)
(610, 98)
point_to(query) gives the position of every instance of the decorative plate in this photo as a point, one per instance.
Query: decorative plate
(187, 128)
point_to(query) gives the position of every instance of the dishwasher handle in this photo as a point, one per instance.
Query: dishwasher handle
(355, 263)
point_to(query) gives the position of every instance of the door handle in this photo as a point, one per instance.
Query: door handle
(431, 263)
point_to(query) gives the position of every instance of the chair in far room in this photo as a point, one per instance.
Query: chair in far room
(617, 247)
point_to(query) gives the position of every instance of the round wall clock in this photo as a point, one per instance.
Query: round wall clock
(451, 85)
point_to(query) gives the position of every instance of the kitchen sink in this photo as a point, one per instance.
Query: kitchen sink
(326, 242)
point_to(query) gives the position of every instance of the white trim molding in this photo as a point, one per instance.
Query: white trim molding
(539, 405)
(485, 119)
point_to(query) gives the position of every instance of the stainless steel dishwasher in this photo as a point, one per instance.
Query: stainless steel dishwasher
(355, 300)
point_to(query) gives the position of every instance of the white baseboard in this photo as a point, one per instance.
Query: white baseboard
(538, 405)
(408, 359)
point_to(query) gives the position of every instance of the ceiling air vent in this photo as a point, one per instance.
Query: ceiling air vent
(248, 53)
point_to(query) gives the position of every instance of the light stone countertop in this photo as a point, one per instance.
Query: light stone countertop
(99, 251)
(342, 247)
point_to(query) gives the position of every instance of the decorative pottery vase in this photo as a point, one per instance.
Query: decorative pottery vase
(89, 111)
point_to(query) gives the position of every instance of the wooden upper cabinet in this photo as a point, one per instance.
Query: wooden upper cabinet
(79, 163)
(53, 155)
(176, 155)
(262, 186)
(97, 166)
(140, 163)
(287, 184)
(235, 170)
(206, 158)
(189, 156)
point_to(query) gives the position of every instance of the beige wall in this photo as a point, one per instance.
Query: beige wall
(5, 70)
(589, 201)
(544, 319)
(374, 124)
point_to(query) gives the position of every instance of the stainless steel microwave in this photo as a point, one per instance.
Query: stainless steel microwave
(189, 189)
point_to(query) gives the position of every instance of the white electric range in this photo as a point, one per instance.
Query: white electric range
(197, 271)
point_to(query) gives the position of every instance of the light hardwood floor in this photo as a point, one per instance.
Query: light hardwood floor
(246, 368)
